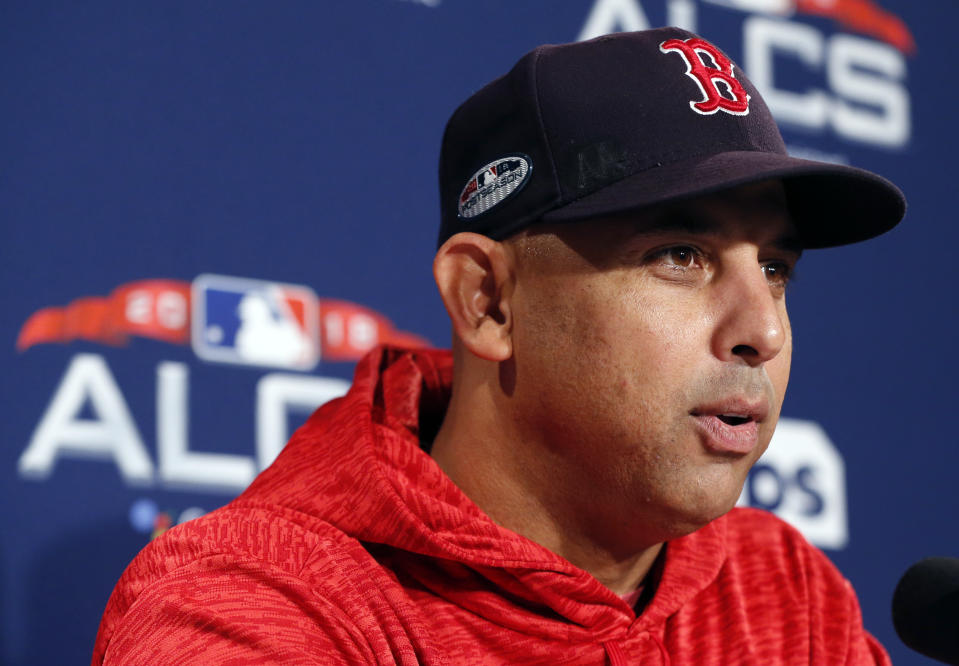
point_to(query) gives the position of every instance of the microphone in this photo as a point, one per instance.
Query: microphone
(925, 608)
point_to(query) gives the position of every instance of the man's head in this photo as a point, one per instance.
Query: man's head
(622, 320)
(639, 362)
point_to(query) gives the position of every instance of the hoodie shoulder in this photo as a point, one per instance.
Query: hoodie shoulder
(252, 583)
(805, 589)
(770, 552)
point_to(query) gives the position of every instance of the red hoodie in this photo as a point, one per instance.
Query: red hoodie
(355, 548)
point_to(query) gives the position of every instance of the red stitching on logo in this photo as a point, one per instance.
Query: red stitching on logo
(707, 77)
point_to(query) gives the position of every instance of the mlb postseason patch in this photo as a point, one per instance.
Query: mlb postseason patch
(254, 322)
(492, 184)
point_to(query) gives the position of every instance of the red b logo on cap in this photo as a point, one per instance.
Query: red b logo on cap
(707, 77)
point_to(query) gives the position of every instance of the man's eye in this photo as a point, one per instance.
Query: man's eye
(778, 272)
(680, 256)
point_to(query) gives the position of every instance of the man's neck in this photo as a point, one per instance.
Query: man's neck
(485, 461)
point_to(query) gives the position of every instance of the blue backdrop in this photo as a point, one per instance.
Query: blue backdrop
(175, 172)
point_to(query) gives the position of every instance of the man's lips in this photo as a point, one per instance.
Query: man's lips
(731, 426)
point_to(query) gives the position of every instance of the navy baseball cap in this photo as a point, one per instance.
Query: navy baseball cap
(629, 120)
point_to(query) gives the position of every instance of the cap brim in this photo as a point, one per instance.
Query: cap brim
(831, 204)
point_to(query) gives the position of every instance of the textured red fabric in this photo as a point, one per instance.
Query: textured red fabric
(355, 548)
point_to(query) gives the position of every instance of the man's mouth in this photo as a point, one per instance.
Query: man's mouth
(734, 419)
(735, 411)
(731, 426)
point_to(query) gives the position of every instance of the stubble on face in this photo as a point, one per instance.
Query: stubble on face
(609, 361)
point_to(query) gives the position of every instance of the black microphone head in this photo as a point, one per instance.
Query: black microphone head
(925, 608)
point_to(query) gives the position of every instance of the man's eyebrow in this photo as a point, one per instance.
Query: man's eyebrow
(789, 243)
(700, 222)
(677, 219)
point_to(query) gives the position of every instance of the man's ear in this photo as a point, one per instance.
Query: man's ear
(475, 278)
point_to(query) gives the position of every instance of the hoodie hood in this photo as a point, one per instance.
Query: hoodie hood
(380, 486)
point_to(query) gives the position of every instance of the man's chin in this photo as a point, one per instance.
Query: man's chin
(691, 518)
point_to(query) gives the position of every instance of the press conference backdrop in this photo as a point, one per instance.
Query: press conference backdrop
(212, 209)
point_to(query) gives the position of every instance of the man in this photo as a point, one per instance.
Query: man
(620, 221)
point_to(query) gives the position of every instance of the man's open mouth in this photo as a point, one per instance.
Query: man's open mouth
(733, 420)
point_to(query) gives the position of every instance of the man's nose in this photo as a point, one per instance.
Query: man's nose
(751, 319)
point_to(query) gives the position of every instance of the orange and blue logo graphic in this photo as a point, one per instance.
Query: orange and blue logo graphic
(146, 517)
(225, 319)
(254, 322)
(864, 17)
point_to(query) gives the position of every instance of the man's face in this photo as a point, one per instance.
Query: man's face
(651, 357)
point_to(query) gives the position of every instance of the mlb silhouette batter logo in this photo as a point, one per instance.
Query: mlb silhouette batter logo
(709, 77)
(253, 322)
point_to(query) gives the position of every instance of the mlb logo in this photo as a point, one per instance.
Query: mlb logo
(253, 322)
(484, 178)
